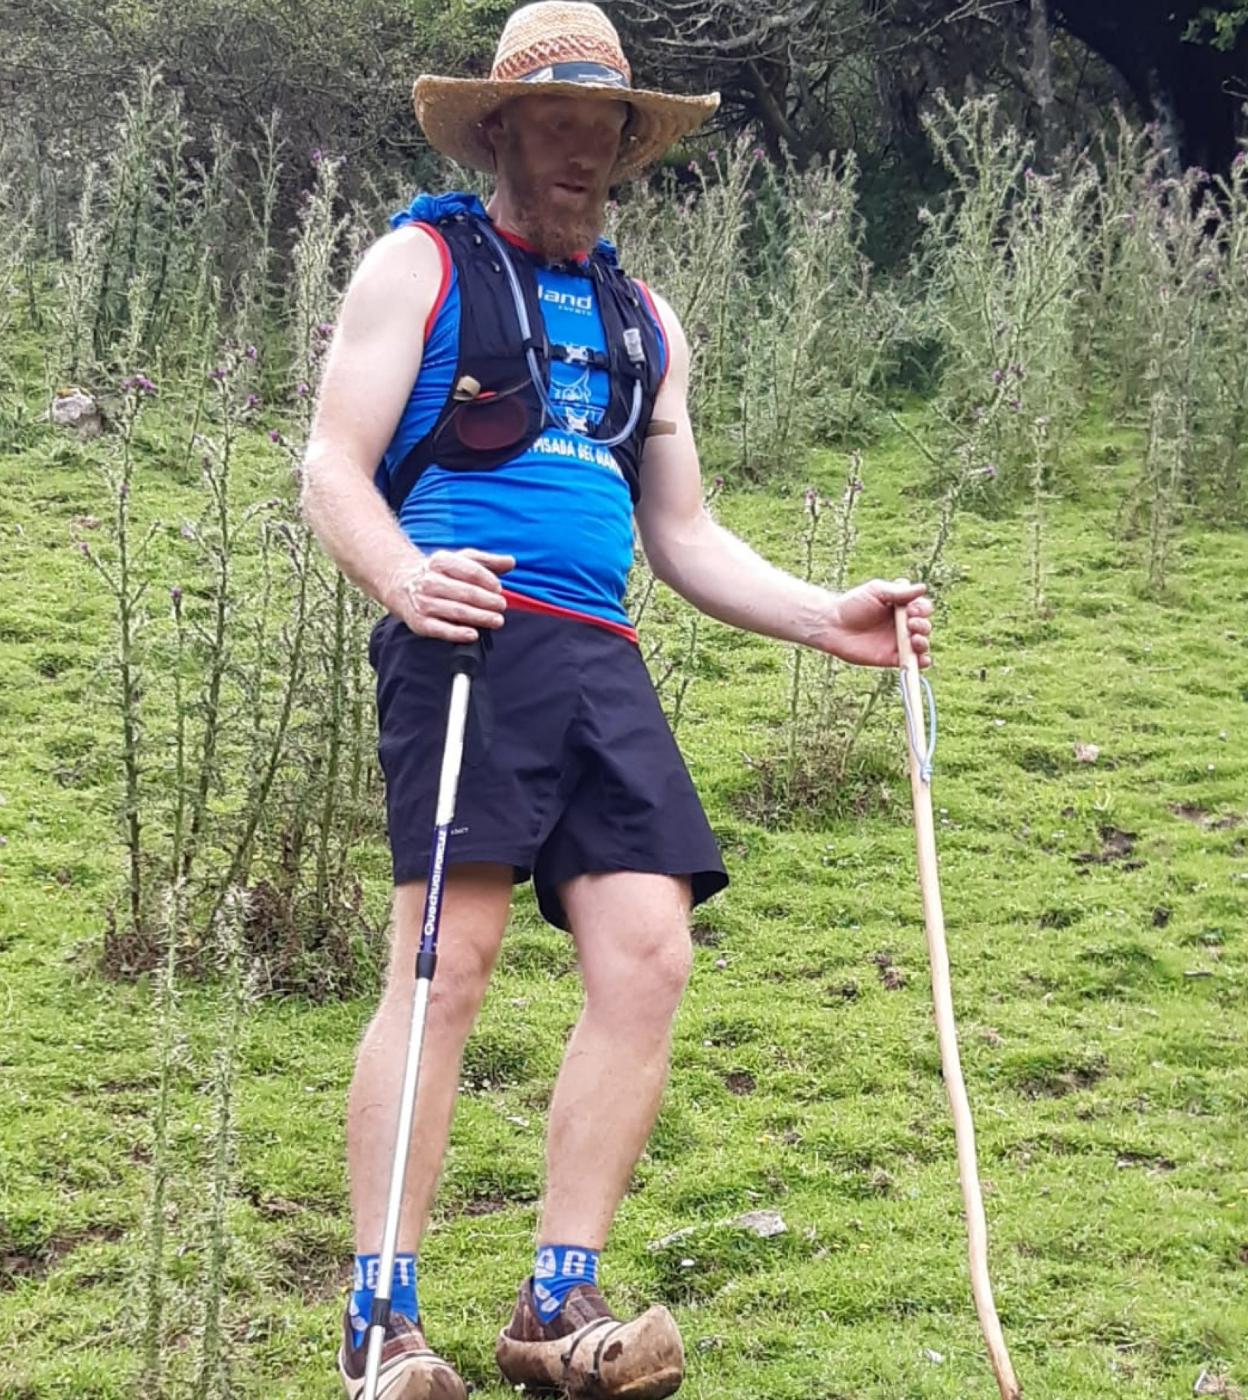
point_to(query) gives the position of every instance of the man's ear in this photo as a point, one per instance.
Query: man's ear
(492, 130)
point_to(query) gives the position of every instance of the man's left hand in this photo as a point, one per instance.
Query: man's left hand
(862, 630)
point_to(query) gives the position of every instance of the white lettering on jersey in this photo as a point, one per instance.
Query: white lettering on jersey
(568, 300)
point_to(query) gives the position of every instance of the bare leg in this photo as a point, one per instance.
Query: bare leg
(474, 915)
(632, 936)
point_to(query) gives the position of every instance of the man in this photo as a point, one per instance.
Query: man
(526, 402)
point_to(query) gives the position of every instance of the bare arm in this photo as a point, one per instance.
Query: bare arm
(374, 358)
(722, 576)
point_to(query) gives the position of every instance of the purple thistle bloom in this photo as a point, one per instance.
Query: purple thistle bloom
(990, 471)
(856, 486)
(718, 482)
(1241, 159)
(317, 156)
(175, 595)
(1016, 405)
(252, 353)
(998, 375)
(694, 167)
(759, 153)
(326, 328)
(302, 390)
(218, 373)
(83, 548)
(187, 531)
(253, 400)
(274, 435)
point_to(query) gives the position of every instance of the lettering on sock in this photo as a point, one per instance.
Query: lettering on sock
(557, 1270)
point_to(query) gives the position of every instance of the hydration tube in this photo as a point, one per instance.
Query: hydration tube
(632, 344)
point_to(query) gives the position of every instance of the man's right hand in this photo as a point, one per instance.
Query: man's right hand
(451, 593)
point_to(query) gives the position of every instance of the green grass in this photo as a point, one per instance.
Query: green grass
(1102, 1012)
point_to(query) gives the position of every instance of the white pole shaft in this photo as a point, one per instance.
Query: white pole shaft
(947, 1034)
(448, 786)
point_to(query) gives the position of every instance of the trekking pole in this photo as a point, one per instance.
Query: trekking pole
(946, 1028)
(465, 665)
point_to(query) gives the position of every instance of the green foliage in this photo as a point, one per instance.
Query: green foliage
(189, 745)
(1108, 1083)
(1217, 25)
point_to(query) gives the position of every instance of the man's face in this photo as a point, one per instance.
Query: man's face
(554, 156)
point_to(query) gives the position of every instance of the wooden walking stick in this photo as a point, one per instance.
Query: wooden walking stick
(946, 1028)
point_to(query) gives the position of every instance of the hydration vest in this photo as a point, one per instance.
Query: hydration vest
(493, 392)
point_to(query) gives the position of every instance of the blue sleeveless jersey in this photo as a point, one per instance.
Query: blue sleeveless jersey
(562, 508)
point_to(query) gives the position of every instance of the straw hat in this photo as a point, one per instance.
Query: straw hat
(559, 47)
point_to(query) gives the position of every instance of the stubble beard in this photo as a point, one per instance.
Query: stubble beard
(557, 234)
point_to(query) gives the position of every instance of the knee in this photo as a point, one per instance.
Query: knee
(456, 992)
(649, 977)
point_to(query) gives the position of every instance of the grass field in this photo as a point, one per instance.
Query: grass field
(1096, 916)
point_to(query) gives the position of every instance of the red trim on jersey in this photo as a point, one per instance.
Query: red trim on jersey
(658, 320)
(536, 605)
(523, 243)
(444, 290)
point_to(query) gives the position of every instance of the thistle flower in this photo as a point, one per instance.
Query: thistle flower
(302, 390)
(998, 376)
(990, 471)
(812, 502)
(175, 597)
(253, 401)
(274, 435)
(218, 373)
(1016, 405)
(759, 153)
(1241, 159)
(187, 531)
(856, 486)
(317, 155)
(252, 353)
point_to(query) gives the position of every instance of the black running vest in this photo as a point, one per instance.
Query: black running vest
(492, 362)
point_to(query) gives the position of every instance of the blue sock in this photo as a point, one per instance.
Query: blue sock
(402, 1291)
(557, 1271)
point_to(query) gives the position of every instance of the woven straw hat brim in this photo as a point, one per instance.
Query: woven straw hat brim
(451, 110)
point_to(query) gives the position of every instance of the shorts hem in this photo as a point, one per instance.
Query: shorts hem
(409, 870)
(705, 881)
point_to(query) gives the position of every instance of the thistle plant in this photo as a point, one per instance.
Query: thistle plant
(215, 536)
(688, 238)
(212, 1379)
(258, 291)
(1185, 270)
(122, 570)
(17, 237)
(1003, 265)
(170, 1054)
(1113, 326)
(821, 333)
(1224, 461)
(81, 277)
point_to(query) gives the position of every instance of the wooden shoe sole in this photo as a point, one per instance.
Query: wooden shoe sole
(604, 1360)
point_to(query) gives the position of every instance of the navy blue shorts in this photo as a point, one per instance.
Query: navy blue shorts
(569, 764)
